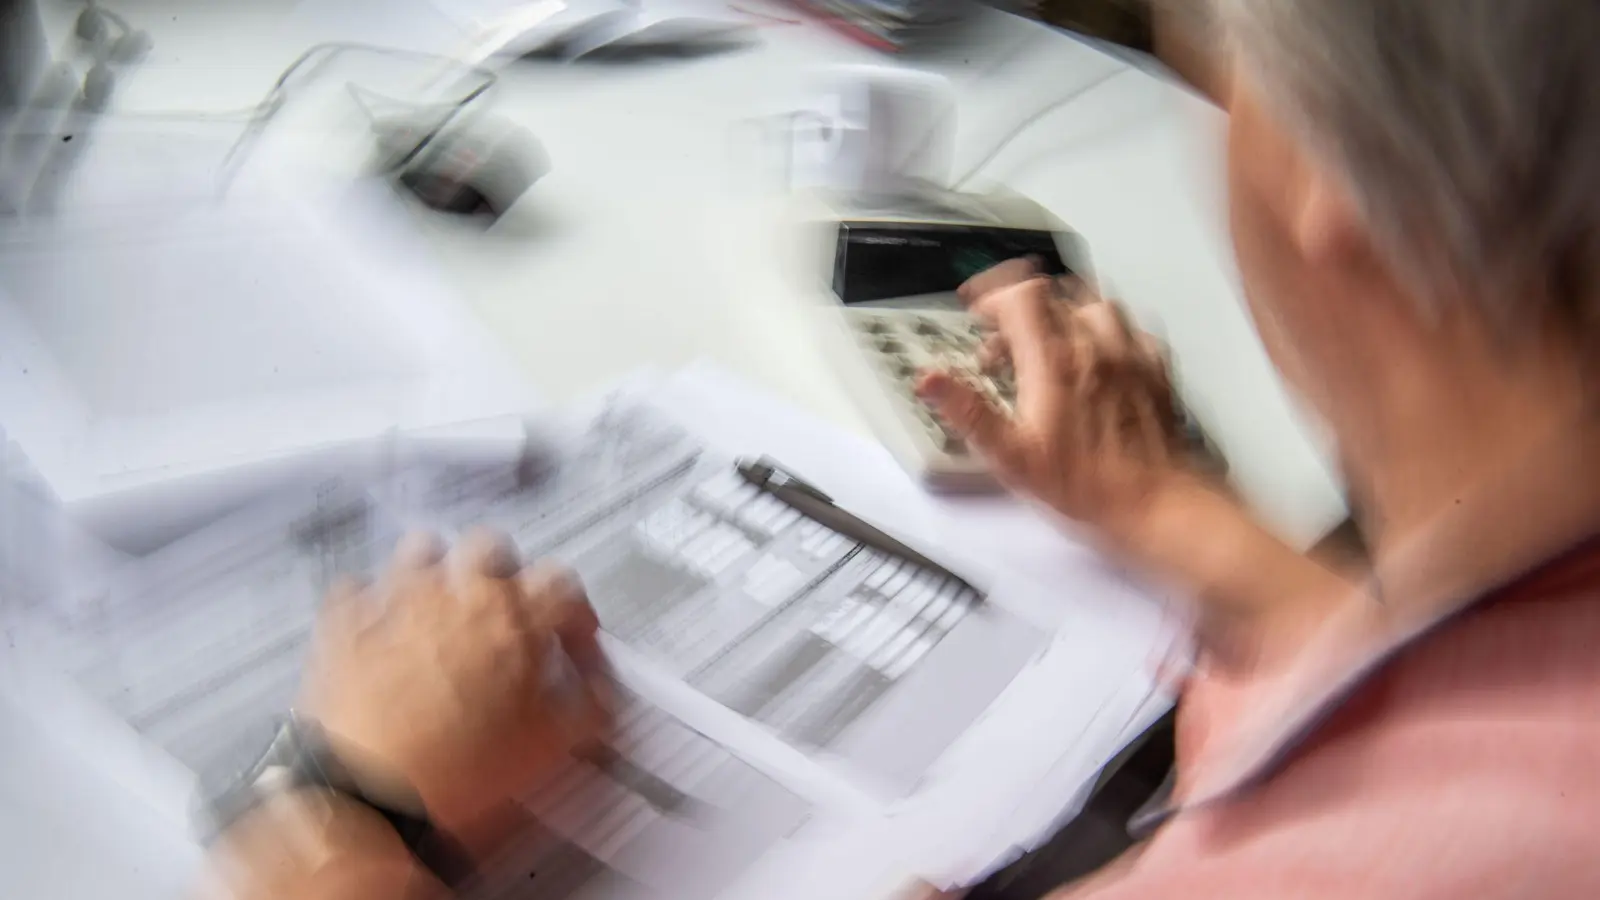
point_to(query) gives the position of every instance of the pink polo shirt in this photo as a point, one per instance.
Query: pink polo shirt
(1442, 756)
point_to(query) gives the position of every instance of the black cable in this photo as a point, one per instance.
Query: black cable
(1029, 122)
(275, 98)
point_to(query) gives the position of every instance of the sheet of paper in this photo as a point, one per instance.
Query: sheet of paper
(198, 647)
(663, 811)
(47, 561)
(427, 26)
(814, 636)
(1027, 762)
(130, 375)
(174, 681)
(76, 816)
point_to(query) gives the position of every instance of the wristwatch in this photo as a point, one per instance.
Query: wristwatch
(300, 757)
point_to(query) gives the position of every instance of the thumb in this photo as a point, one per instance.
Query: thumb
(973, 417)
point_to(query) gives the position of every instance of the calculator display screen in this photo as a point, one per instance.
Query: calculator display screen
(877, 261)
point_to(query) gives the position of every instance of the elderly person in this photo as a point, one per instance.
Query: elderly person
(1415, 204)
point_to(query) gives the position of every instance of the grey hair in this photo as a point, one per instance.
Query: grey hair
(1468, 132)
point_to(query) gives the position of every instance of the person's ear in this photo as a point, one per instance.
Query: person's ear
(1326, 228)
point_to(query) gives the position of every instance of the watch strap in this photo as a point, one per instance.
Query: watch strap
(300, 756)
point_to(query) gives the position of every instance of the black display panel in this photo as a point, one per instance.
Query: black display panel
(882, 261)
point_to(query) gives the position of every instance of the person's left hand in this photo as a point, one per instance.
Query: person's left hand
(465, 674)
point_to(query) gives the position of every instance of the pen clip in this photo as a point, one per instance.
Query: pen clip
(768, 475)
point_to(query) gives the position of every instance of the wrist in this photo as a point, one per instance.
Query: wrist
(317, 794)
(1257, 598)
(307, 841)
(406, 782)
(1207, 541)
(1182, 527)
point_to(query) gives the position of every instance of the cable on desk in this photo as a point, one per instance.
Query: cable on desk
(361, 94)
(240, 113)
(1029, 122)
(276, 97)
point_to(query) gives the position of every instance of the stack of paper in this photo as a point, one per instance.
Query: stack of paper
(802, 704)
(171, 353)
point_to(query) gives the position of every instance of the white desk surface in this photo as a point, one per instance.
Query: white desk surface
(651, 240)
(649, 244)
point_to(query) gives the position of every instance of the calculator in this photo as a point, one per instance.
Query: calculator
(890, 266)
(897, 346)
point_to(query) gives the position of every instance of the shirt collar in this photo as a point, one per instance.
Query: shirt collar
(1459, 561)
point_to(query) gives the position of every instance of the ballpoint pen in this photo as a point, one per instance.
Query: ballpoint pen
(768, 477)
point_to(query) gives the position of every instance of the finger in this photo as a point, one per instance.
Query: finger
(346, 604)
(993, 353)
(1165, 401)
(560, 605)
(418, 550)
(563, 610)
(1109, 330)
(1107, 440)
(1075, 291)
(413, 573)
(997, 277)
(974, 419)
(345, 589)
(1024, 317)
(1079, 362)
(921, 890)
(1146, 375)
(486, 552)
(549, 589)
(1132, 335)
(1153, 448)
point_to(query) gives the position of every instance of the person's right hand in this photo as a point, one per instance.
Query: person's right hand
(1095, 435)
(1095, 431)
(461, 672)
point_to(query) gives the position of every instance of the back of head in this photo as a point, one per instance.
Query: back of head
(1467, 133)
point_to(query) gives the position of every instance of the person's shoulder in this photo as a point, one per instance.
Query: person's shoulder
(1525, 655)
(1474, 745)
(1500, 694)
(1400, 797)
(1465, 758)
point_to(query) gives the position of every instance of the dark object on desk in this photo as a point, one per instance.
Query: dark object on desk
(1180, 35)
(480, 166)
(24, 53)
(892, 26)
(1097, 835)
(1125, 22)
(625, 34)
(1100, 833)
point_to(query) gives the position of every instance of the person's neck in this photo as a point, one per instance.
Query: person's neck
(1463, 431)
